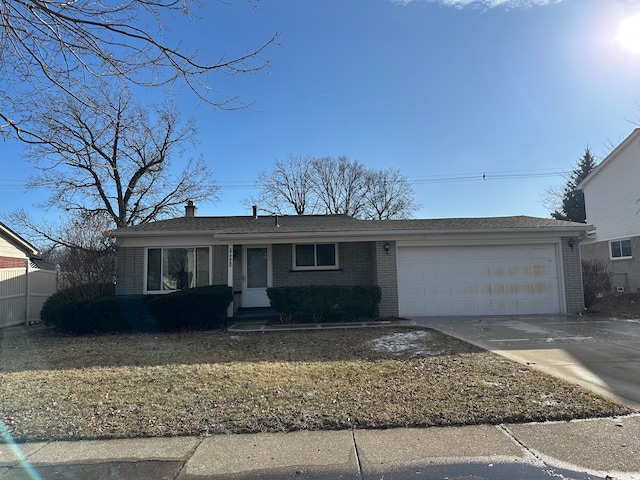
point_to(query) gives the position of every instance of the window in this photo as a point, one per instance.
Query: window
(318, 256)
(621, 249)
(170, 269)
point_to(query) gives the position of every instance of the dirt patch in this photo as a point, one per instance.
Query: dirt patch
(625, 305)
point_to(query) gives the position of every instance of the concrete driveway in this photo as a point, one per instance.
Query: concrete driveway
(600, 354)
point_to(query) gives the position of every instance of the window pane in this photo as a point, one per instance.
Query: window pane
(256, 267)
(326, 254)
(177, 268)
(616, 252)
(154, 265)
(304, 256)
(626, 248)
(202, 263)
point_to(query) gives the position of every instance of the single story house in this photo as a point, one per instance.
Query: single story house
(457, 266)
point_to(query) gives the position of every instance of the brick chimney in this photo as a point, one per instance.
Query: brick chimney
(190, 210)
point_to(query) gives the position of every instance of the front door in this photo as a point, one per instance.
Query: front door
(256, 276)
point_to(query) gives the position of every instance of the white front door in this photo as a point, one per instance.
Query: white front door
(256, 276)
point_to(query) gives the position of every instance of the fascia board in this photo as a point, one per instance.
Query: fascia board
(18, 241)
(289, 237)
(614, 153)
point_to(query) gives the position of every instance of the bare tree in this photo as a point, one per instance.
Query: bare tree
(286, 187)
(334, 186)
(52, 44)
(111, 155)
(388, 194)
(77, 243)
(339, 185)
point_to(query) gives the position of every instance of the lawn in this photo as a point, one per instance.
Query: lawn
(60, 387)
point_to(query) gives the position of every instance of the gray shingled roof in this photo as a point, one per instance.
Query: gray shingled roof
(247, 225)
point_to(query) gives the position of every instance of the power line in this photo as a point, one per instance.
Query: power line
(413, 180)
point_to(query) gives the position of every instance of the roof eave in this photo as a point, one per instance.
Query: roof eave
(614, 153)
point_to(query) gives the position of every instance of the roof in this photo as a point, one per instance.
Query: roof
(16, 240)
(614, 153)
(246, 226)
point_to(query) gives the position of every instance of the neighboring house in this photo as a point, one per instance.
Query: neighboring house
(473, 266)
(612, 203)
(26, 281)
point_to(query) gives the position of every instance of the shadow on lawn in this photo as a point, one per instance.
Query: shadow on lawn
(43, 348)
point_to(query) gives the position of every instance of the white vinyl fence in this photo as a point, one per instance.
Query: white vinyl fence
(23, 291)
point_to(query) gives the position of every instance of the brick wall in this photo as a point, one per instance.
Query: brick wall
(130, 271)
(356, 262)
(12, 262)
(572, 275)
(625, 273)
(387, 278)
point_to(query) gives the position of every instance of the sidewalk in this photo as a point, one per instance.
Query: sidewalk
(599, 447)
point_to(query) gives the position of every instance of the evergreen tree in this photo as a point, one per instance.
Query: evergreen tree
(573, 200)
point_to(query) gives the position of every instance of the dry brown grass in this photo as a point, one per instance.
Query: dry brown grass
(113, 386)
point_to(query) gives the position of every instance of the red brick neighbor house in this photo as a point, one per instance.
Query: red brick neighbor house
(457, 266)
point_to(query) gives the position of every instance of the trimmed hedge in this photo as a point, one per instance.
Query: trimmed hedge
(203, 307)
(326, 302)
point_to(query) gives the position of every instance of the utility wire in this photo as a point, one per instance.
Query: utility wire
(413, 180)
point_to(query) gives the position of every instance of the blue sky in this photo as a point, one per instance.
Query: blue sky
(443, 90)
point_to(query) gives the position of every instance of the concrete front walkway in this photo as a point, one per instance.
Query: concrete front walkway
(600, 354)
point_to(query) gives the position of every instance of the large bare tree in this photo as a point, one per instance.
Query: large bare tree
(111, 155)
(308, 185)
(339, 185)
(59, 45)
(387, 195)
(286, 186)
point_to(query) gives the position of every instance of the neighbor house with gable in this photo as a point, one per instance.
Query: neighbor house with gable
(612, 204)
(26, 281)
(424, 267)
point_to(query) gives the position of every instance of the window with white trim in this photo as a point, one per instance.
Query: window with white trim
(171, 269)
(620, 249)
(315, 256)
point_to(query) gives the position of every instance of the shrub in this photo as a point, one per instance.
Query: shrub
(202, 307)
(54, 304)
(325, 302)
(596, 280)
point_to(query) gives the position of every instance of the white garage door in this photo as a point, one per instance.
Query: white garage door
(496, 280)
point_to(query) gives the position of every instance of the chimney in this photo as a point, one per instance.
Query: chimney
(255, 211)
(190, 210)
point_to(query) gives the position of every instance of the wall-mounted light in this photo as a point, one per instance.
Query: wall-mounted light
(386, 247)
(571, 243)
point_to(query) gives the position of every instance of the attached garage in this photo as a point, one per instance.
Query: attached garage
(479, 280)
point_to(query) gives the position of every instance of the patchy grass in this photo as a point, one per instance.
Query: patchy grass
(58, 387)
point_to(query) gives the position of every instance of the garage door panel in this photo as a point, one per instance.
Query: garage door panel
(478, 280)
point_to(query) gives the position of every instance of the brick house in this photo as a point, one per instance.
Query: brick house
(472, 266)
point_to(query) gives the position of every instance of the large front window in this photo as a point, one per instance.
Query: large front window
(170, 269)
(315, 256)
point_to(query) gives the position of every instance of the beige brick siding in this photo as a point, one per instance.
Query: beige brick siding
(625, 273)
(572, 275)
(387, 278)
(355, 262)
